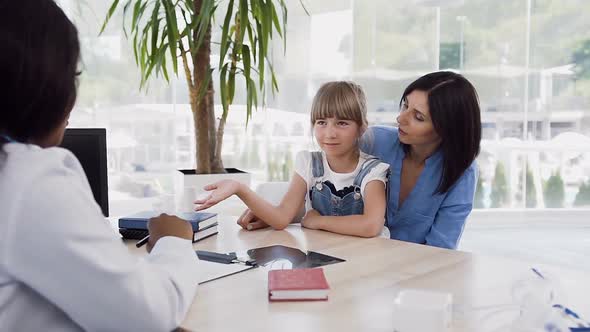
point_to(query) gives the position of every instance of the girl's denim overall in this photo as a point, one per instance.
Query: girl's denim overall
(328, 203)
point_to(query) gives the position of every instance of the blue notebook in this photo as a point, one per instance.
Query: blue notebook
(197, 219)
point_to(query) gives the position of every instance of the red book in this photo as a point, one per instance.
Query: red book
(297, 285)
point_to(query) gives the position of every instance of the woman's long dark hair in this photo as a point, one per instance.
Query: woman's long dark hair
(455, 113)
(38, 68)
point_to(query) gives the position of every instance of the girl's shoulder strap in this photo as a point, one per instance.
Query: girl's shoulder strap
(317, 164)
(366, 168)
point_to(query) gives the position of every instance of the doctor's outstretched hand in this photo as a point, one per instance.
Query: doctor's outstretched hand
(219, 191)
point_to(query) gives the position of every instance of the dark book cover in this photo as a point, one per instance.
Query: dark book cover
(197, 219)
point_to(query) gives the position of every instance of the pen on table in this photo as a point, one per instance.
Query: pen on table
(538, 273)
(142, 241)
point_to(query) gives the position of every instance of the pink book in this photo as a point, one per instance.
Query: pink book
(297, 285)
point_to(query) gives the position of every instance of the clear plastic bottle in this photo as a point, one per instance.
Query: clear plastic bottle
(535, 295)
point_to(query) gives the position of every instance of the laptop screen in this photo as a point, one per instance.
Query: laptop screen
(89, 145)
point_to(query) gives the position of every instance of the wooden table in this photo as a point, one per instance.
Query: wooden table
(364, 287)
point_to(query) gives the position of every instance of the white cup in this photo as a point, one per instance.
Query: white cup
(165, 204)
(417, 310)
(189, 194)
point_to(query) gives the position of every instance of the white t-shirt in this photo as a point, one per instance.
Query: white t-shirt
(63, 267)
(303, 167)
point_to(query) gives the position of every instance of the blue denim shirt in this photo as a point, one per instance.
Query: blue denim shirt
(424, 217)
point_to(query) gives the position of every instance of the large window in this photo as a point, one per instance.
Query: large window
(533, 80)
(533, 109)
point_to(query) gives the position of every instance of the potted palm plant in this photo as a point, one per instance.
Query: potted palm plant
(168, 35)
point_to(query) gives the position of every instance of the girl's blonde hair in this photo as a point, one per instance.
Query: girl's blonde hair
(342, 100)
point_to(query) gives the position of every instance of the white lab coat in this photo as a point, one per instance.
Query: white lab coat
(63, 268)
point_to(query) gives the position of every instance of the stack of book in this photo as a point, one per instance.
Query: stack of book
(135, 226)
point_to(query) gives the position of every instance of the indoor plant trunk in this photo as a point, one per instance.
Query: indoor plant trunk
(208, 140)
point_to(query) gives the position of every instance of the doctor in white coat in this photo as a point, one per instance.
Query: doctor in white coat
(62, 267)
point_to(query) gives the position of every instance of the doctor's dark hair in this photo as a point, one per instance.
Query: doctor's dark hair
(38, 67)
(454, 110)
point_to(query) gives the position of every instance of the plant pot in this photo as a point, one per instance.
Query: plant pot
(188, 185)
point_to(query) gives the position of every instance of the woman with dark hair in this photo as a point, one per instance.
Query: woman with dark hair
(432, 159)
(61, 265)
